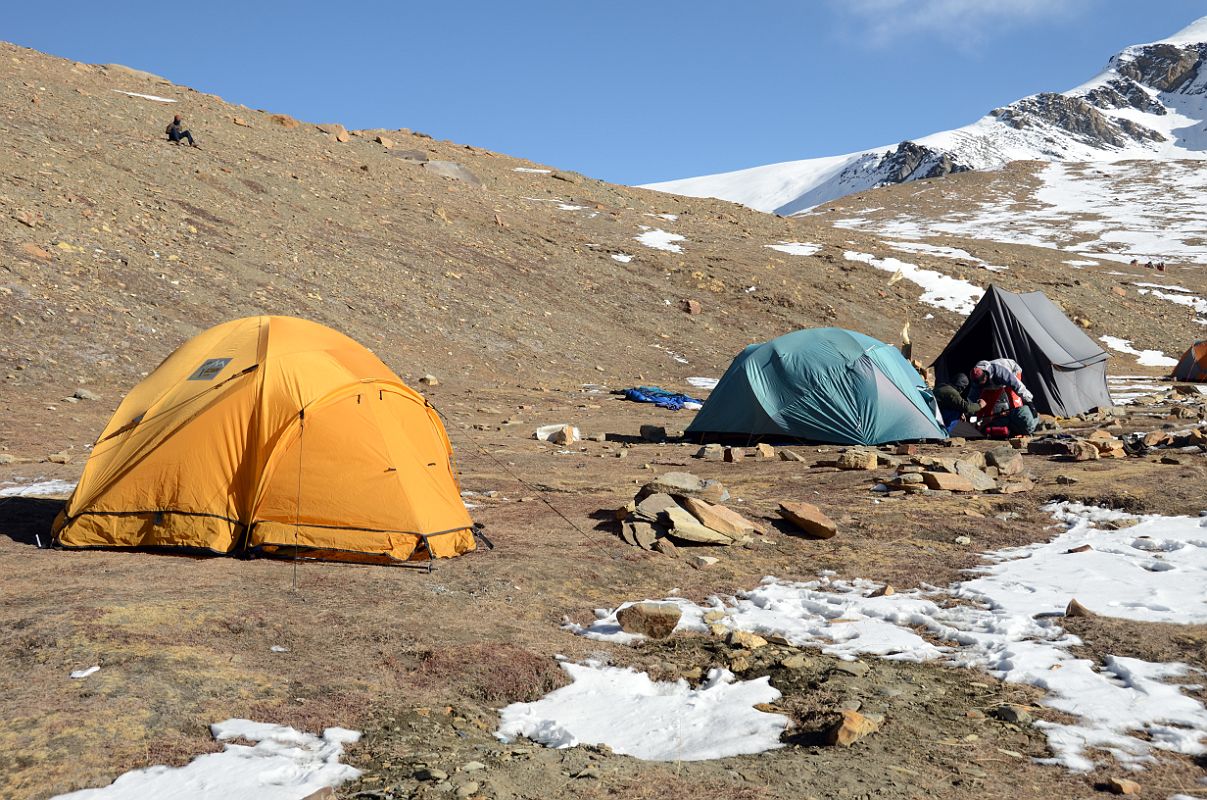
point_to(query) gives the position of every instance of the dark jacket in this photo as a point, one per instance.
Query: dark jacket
(950, 400)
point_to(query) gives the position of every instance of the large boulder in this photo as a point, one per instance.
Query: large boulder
(809, 518)
(655, 620)
(685, 527)
(335, 130)
(651, 508)
(719, 518)
(686, 484)
(979, 480)
(1006, 459)
(857, 459)
(947, 481)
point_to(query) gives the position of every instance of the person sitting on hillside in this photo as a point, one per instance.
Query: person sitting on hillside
(1006, 398)
(953, 401)
(177, 133)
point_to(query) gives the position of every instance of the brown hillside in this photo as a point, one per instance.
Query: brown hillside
(116, 246)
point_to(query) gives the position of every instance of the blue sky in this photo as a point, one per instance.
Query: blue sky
(622, 90)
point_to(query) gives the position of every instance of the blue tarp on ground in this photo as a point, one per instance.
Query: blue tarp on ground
(660, 397)
(824, 385)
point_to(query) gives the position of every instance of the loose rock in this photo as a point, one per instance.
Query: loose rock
(1122, 786)
(851, 728)
(857, 459)
(719, 518)
(747, 640)
(1075, 609)
(809, 518)
(947, 481)
(655, 620)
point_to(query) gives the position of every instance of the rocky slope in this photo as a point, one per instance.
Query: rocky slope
(1149, 103)
(116, 246)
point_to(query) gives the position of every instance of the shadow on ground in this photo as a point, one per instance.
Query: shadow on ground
(27, 520)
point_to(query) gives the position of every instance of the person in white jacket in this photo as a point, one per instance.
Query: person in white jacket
(1003, 373)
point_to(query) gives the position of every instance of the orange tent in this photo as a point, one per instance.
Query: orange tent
(272, 435)
(1193, 366)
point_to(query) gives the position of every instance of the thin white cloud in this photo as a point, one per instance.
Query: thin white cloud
(961, 21)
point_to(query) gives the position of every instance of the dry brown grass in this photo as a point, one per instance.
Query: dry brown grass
(672, 787)
(492, 672)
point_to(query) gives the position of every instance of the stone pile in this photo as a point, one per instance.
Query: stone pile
(759, 452)
(678, 508)
(1099, 444)
(997, 471)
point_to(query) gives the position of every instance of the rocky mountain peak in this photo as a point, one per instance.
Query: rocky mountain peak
(1148, 103)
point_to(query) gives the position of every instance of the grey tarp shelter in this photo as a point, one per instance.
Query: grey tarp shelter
(1062, 366)
(820, 385)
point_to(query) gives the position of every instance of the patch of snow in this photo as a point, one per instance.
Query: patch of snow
(623, 258)
(38, 489)
(1007, 622)
(156, 98)
(667, 217)
(654, 721)
(1162, 286)
(561, 204)
(1197, 304)
(1081, 263)
(939, 290)
(534, 170)
(796, 248)
(659, 239)
(284, 764)
(1146, 358)
(1124, 389)
(84, 673)
(944, 252)
(682, 359)
(703, 383)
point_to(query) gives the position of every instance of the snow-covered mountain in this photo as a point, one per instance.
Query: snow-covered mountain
(1149, 103)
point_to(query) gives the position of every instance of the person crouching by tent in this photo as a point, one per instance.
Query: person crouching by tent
(1005, 400)
(953, 401)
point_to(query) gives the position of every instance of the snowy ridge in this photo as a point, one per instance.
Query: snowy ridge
(1149, 103)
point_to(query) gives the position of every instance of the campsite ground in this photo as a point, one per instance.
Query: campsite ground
(420, 661)
(115, 247)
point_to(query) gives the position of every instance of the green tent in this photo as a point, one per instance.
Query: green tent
(822, 385)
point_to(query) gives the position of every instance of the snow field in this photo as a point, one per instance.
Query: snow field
(282, 764)
(1154, 570)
